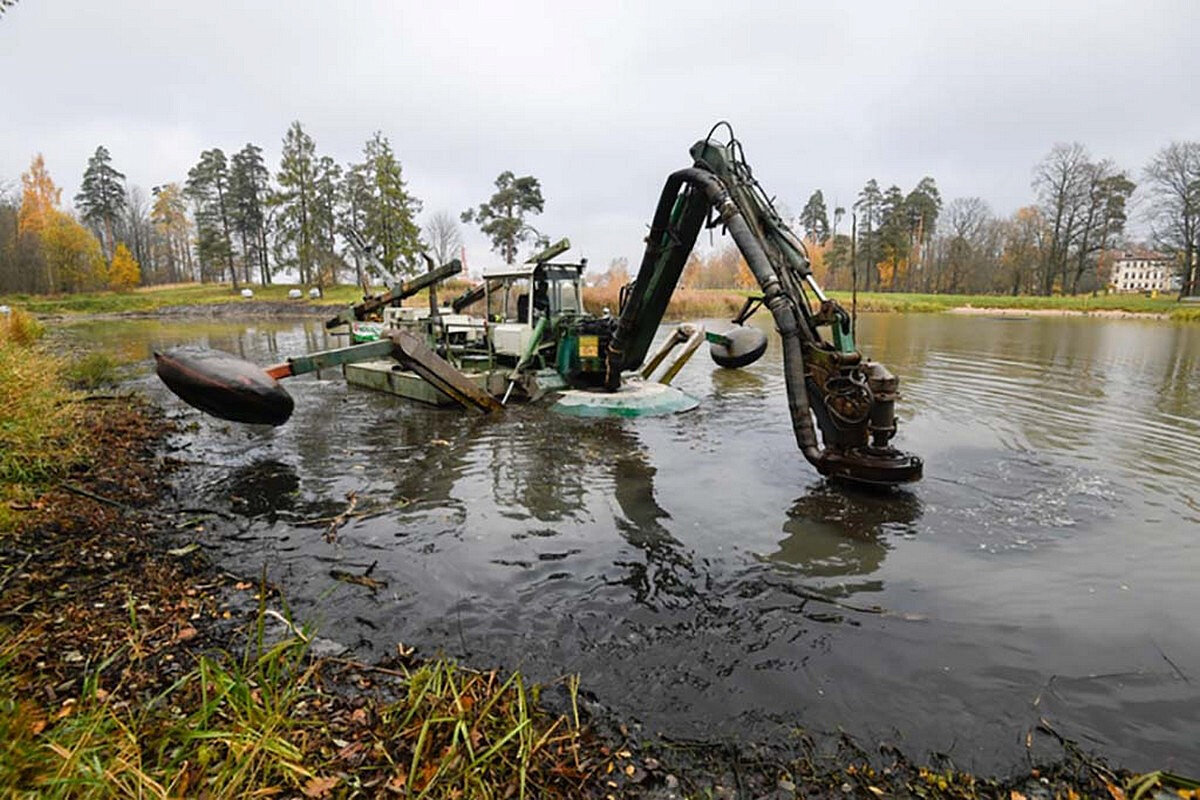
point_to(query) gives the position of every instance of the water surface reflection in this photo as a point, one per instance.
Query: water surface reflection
(702, 579)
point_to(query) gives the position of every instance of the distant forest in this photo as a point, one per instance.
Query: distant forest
(234, 219)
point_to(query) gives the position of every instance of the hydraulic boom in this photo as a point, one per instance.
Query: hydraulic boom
(851, 397)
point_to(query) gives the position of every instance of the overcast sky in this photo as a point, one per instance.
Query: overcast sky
(600, 100)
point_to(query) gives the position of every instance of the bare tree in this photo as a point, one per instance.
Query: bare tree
(1024, 241)
(443, 237)
(1061, 183)
(137, 230)
(1173, 178)
(967, 220)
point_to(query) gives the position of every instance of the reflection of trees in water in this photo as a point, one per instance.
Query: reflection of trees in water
(738, 382)
(263, 487)
(838, 531)
(425, 451)
(543, 463)
(1181, 374)
(550, 464)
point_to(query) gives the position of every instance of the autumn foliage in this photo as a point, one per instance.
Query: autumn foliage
(68, 255)
(124, 273)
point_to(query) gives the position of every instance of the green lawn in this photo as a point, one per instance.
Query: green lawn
(150, 298)
(689, 303)
(903, 301)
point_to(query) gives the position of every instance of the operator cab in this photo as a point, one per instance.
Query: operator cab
(519, 296)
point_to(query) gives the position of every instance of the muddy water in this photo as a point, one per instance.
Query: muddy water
(706, 582)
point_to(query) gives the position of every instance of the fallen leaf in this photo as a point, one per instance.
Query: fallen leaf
(1015, 795)
(243, 585)
(1116, 792)
(185, 634)
(183, 551)
(320, 787)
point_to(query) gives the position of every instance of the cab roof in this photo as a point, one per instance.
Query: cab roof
(510, 271)
(527, 270)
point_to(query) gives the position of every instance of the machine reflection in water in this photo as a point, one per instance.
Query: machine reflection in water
(844, 535)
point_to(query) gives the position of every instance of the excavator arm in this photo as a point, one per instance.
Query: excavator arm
(851, 398)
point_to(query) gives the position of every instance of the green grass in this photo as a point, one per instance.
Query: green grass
(925, 303)
(39, 439)
(693, 303)
(151, 298)
(262, 724)
(91, 371)
(686, 303)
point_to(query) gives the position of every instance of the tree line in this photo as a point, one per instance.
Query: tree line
(1062, 242)
(232, 220)
(892, 240)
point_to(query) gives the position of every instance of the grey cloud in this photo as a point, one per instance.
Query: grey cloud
(601, 100)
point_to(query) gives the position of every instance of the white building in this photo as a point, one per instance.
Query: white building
(1143, 271)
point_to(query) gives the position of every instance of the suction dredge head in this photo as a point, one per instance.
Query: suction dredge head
(873, 466)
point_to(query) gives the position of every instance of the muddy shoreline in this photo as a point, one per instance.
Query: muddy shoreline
(116, 537)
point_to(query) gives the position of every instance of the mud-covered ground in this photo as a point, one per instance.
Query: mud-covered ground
(100, 583)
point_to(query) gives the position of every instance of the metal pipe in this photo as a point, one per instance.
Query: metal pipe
(539, 330)
(685, 355)
(775, 300)
(675, 338)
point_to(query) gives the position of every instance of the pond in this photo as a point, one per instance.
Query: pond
(704, 581)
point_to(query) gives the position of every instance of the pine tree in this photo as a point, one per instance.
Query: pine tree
(101, 199)
(869, 206)
(208, 186)
(328, 175)
(355, 197)
(248, 188)
(814, 219)
(893, 235)
(391, 226)
(922, 204)
(295, 230)
(502, 217)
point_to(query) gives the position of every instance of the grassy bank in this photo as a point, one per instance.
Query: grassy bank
(918, 303)
(692, 303)
(39, 431)
(685, 303)
(151, 298)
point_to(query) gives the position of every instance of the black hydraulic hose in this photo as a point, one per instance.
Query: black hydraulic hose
(774, 298)
(631, 311)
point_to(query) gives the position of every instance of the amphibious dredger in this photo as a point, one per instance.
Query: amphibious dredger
(534, 337)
